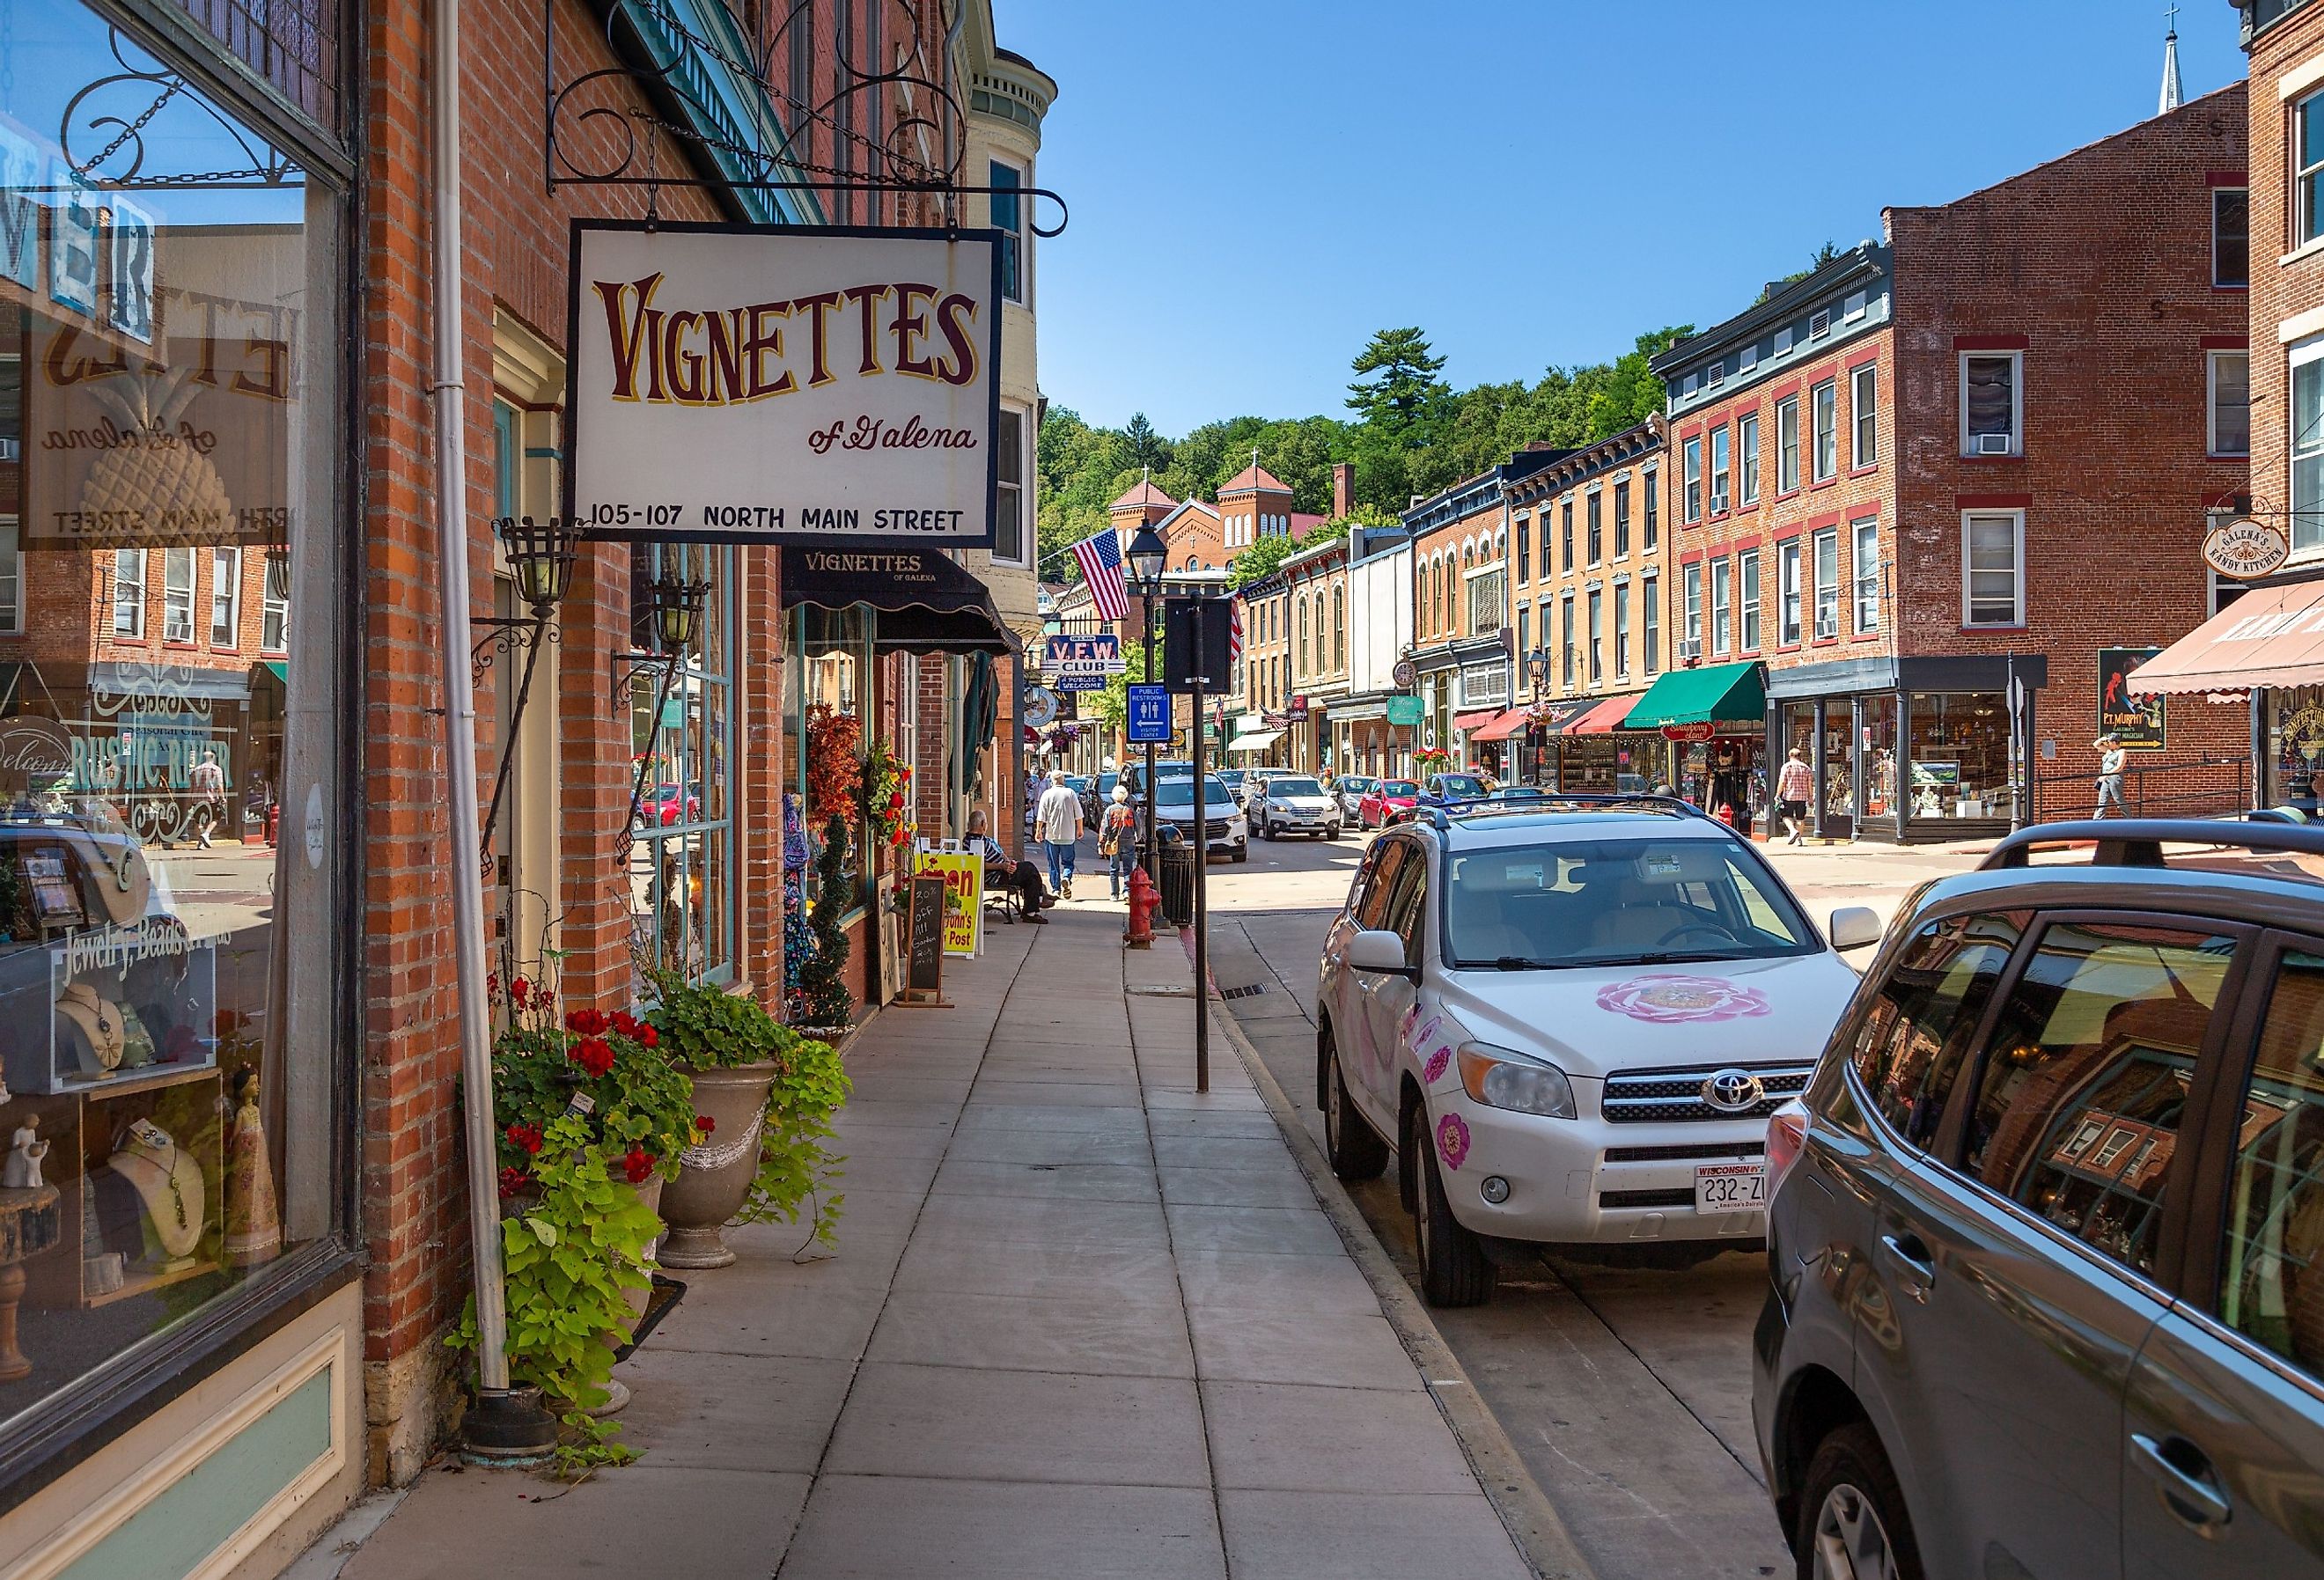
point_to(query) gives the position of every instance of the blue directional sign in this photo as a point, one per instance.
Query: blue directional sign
(1150, 716)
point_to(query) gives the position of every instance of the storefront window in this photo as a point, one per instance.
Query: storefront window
(1960, 755)
(1876, 717)
(828, 709)
(2295, 744)
(682, 733)
(170, 938)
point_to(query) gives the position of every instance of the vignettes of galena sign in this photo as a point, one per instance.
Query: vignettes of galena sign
(800, 385)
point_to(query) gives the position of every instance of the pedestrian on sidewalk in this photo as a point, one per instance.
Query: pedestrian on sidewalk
(1003, 873)
(207, 779)
(1117, 839)
(2111, 759)
(1057, 825)
(1793, 786)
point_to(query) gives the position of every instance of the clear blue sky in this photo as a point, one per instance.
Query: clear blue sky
(1258, 186)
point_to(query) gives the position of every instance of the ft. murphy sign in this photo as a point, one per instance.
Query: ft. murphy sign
(784, 385)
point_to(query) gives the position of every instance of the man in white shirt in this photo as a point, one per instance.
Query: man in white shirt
(1057, 825)
(2112, 761)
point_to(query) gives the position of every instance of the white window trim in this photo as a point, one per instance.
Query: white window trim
(1826, 589)
(1858, 570)
(1791, 600)
(233, 604)
(2211, 404)
(1746, 459)
(1857, 376)
(144, 585)
(2016, 398)
(1830, 388)
(1028, 474)
(2017, 571)
(1789, 403)
(1023, 232)
(2297, 356)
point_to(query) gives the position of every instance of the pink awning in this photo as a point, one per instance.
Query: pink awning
(1502, 726)
(2271, 636)
(1473, 722)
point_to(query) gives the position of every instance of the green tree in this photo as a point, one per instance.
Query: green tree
(1146, 446)
(1397, 391)
(1261, 559)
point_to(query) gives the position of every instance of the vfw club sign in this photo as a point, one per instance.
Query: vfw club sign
(784, 385)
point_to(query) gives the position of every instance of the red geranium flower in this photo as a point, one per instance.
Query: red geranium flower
(527, 1136)
(705, 1124)
(593, 1054)
(637, 1164)
(514, 1180)
(649, 1038)
(520, 989)
(588, 1022)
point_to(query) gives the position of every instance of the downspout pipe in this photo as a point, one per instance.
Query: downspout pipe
(501, 1425)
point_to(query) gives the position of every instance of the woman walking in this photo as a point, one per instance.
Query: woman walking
(1117, 839)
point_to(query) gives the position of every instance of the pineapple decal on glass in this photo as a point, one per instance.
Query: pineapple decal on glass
(157, 466)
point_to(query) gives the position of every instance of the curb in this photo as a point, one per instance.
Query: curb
(1525, 1511)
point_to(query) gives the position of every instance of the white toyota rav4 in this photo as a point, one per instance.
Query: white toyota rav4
(1571, 1018)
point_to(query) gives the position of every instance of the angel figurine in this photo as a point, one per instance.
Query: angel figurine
(25, 1151)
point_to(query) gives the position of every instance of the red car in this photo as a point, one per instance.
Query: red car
(1390, 800)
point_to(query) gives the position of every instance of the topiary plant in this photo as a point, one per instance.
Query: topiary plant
(820, 997)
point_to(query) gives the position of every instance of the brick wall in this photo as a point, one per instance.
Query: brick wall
(2098, 267)
(2286, 300)
(1549, 574)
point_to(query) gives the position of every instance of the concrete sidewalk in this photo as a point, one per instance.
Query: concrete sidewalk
(1082, 1321)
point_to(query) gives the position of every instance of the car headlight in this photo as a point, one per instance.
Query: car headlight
(1498, 1078)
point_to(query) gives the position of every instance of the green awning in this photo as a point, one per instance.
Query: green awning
(277, 669)
(1718, 694)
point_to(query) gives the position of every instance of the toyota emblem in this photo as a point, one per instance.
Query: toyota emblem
(1733, 1091)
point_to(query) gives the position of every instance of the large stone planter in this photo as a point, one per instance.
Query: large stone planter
(714, 1178)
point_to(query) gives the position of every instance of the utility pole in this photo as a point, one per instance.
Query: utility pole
(1198, 627)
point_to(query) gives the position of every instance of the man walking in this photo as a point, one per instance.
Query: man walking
(1793, 788)
(207, 779)
(1057, 825)
(2111, 759)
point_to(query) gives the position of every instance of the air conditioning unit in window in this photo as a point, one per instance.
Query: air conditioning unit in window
(1689, 651)
(1994, 444)
(1718, 505)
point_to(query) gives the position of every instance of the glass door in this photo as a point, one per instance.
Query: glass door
(1838, 777)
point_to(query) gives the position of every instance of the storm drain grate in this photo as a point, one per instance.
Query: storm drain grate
(1242, 993)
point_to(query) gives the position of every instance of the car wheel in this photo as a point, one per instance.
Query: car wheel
(1453, 1268)
(1852, 1521)
(1355, 1148)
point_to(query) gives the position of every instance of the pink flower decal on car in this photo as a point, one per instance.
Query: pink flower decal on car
(1452, 1140)
(1674, 998)
(1436, 1063)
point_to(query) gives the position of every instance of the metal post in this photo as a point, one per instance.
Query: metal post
(1153, 858)
(1200, 612)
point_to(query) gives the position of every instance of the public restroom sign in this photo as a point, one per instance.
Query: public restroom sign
(783, 385)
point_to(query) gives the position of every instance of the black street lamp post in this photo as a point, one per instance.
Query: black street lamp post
(1147, 555)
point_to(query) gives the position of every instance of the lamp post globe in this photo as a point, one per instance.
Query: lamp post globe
(1145, 555)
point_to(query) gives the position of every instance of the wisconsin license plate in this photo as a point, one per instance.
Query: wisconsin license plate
(1730, 1188)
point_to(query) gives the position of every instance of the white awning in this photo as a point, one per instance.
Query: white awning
(1258, 741)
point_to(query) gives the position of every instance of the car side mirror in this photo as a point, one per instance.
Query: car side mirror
(1377, 949)
(1854, 926)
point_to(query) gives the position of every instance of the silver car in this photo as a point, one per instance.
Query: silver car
(1294, 803)
(1348, 789)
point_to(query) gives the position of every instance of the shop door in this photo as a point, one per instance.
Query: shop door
(1837, 777)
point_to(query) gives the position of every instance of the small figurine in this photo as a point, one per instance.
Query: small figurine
(254, 1222)
(25, 1151)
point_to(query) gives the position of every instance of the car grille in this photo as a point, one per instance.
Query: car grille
(1215, 830)
(1686, 1151)
(1645, 1096)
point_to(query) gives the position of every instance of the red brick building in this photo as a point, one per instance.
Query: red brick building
(222, 652)
(1983, 450)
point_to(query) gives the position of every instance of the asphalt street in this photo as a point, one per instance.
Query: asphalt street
(1627, 1392)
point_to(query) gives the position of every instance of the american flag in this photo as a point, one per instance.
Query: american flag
(1234, 630)
(1099, 558)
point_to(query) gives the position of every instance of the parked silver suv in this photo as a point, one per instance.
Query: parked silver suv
(2046, 1245)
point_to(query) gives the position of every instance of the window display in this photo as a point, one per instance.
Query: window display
(169, 467)
(2295, 743)
(1960, 755)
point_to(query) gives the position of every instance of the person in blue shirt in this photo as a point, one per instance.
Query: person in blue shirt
(1024, 877)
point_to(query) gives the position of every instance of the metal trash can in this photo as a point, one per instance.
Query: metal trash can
(1178, 883)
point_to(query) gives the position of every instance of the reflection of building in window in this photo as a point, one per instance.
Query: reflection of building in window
(681, 878)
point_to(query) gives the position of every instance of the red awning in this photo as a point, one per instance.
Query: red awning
(1472, 722)
(2271, 636)
(1502, 727)
(1603, 719)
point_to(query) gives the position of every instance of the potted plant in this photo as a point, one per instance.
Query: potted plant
(818, 1000)
(766, 1096)
(638, 1106)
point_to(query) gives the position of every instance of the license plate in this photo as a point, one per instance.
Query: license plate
(1730, 1188)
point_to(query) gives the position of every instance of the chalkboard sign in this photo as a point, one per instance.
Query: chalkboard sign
(924, 954)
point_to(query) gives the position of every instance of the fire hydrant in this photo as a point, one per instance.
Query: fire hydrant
(1144, 901)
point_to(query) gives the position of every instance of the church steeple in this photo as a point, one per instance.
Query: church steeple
(2171, 91)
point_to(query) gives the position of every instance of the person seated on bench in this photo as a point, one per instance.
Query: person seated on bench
(1000, 873)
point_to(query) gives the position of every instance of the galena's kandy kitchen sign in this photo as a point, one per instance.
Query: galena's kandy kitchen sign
(784, 385)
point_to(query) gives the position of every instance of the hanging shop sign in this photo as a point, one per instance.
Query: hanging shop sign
(1041, 707)
(2135, 719)
(2244, 549)
(784, 385)
(1700, 730)
(1082, 663)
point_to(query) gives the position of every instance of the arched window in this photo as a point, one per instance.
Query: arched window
(1302, 636)
(1339, 627)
